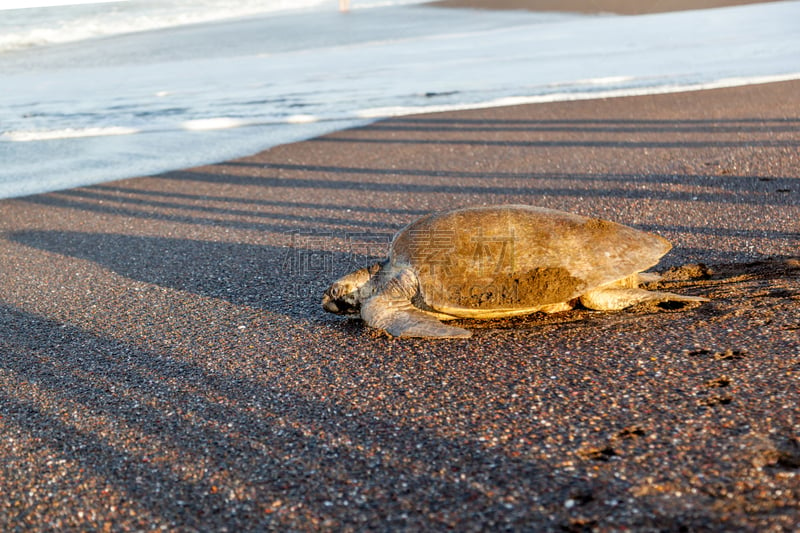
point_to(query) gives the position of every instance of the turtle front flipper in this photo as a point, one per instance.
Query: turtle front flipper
(390, 309)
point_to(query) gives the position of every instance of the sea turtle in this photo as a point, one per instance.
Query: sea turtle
(499, 261)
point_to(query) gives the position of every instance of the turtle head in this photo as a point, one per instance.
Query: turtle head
(345, 295)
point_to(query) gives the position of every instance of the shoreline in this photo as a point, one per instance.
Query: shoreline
(112, 142)
(619, 7)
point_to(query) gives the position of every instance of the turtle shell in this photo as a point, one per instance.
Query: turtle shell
(517, 257)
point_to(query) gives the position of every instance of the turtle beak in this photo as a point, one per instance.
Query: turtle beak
(329, 304)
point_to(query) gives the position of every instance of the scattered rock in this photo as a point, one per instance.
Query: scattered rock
(780, 449)
(597, 453)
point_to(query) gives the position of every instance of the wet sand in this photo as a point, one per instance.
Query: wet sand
(621, 7)
(166, 362)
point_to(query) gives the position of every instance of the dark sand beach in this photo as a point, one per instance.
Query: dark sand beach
(165, 362)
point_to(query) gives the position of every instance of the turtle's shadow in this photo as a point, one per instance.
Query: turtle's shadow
(289, 280)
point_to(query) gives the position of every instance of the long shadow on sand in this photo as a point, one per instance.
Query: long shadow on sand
(268, 442)
(771, 143)
(286, 280)
(96, 200)
(605, 125)
(756, 190)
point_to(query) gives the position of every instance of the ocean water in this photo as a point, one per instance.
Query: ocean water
(97, 92)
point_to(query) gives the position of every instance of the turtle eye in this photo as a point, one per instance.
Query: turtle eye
(336, 291)
(331, 294)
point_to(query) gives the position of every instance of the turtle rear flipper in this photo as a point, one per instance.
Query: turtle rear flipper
(614, 299)
(391, 309)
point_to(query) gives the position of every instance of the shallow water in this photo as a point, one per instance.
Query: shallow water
(128, 104)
